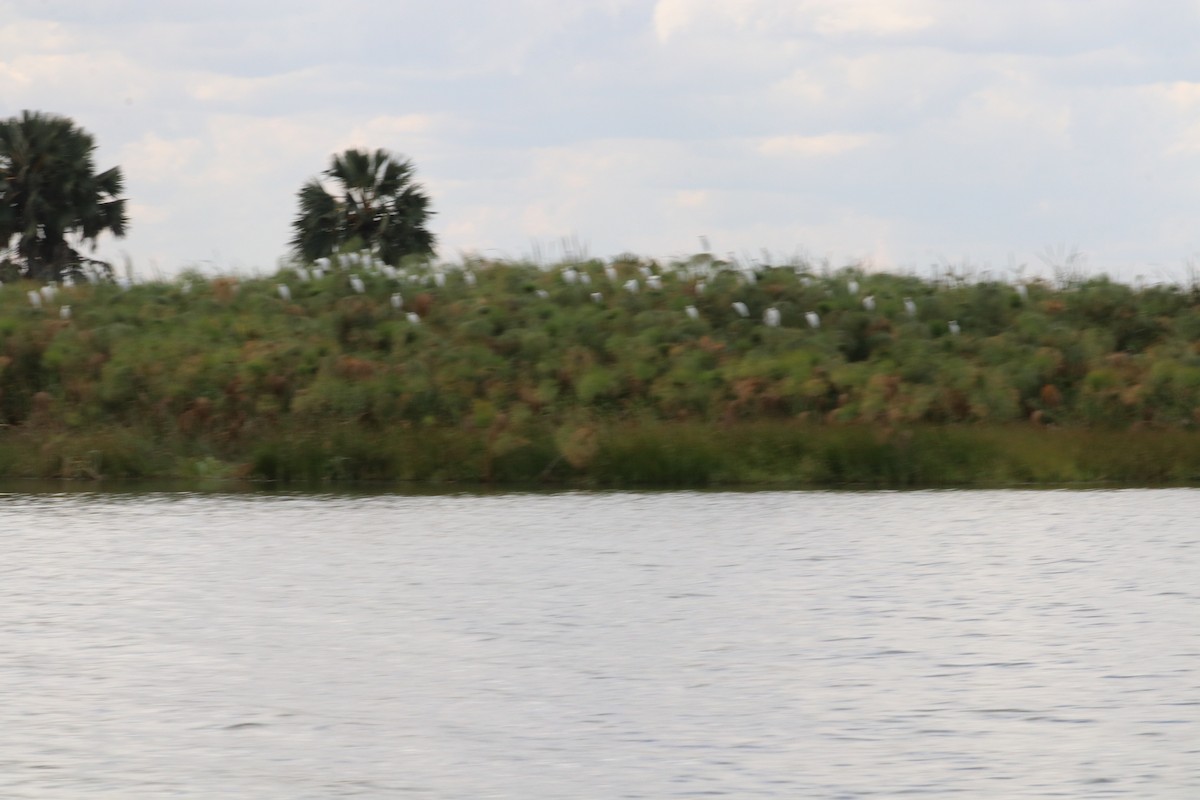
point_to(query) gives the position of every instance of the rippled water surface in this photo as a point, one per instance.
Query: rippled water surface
(780, 645)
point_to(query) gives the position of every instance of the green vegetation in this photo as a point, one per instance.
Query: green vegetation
(512, 373)
(49, 193)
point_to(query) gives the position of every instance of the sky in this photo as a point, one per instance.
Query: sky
(994, 138)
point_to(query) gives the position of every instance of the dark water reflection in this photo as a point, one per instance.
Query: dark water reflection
(783, 645)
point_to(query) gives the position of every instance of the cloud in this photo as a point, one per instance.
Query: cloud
(829, 144)
(779, 18)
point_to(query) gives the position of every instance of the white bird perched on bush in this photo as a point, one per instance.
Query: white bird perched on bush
(812, 319)
(910, 307)
(852, 287)
(692, 312)
(1023, 291)
(631, 286)
(357, 284)
(469, 277)
(597, 297)
(397, 301)
(413, 317)
(610, 272)
(48, 292)
(542, 293)
(772, 317)
(741, 309)
(439, 279)
(654, 282)
(318, 273)
(869, 302)
(700, 287)
(285, 294)
(303, 273)
(322, 264)
(35, 298)
(64, 312)
(570, 276)
(953, 326)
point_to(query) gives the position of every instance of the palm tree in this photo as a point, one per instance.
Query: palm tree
(377, 206)
(49, 191)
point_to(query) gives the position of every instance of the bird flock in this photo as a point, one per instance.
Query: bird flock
(693, 277)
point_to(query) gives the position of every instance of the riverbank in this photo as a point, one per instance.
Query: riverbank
(649, 454)
(618, 373)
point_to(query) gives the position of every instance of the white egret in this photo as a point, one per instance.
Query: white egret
(322, 264)
(64, 312)
(542, 293)
(869, 302)
(597, 297)
(610, 272)
(570, 276)
(413, 317)
(397, 301)
(772, 317)
(700, 287)
(35, 298)
(357, 284)
(852, 287)
(741, 309)
(318, 273)
(1023, 291)
(631, 286)
(812, 319)
(692, 312)
(48, 292)
(303, 273)
(469, 277)
(285, 294)
(910, 307)
(439, 278)
(654, 282)
(953, 326)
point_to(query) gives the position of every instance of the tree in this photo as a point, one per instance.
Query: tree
(49, 191)
(377, 206)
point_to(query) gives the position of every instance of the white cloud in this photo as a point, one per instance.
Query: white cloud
(828, 144)
(871, 17)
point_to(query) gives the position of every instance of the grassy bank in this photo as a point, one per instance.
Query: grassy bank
(602, 374)
(651, 454)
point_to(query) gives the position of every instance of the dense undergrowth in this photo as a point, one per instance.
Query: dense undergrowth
(617, 373)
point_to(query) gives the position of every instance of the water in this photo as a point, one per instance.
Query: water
(760, 645)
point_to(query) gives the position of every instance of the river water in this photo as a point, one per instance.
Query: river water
(1003, 644)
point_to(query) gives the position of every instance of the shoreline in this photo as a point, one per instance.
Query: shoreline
(755, 455)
